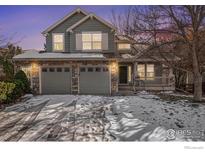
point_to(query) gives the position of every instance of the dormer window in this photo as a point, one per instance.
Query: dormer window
(58, 42)
(124, 46)
(92, 41)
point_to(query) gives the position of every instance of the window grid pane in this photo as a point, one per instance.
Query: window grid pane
(86, 37)
(87, 46)
(150, 72)
(58, 42)
(141, 71)
(92, 41)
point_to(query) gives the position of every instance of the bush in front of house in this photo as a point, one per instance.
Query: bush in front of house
(19, 89)
(6, 91)
(12, 90)
(20, 75)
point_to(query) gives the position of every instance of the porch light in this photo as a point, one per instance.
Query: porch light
(34, 69)
(114, 67)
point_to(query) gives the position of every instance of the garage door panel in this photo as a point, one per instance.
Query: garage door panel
(94, 82)
(56, 82)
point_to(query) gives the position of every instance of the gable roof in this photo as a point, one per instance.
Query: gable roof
(91, 16)
(78, 10)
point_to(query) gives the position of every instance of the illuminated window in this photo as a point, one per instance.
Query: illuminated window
(145, 71)
(124, 46)
(58, 41)
(141, 71)
(92, 41)
(150, 72)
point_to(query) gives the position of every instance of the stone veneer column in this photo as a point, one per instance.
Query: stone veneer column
(114, 76)
(35, 78)
(75, 79)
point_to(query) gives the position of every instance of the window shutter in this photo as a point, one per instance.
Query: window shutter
(104, 41)
(78, 41)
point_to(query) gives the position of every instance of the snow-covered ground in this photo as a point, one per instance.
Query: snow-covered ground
(144, 117)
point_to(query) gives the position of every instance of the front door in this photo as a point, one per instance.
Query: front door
(123, 74)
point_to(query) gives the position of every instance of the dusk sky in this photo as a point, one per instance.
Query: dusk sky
(26, 23)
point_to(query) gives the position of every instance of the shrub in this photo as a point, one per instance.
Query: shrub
(6, 91)
(20, 75)
(19, 89)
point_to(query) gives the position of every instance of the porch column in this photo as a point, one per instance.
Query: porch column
(135, 70)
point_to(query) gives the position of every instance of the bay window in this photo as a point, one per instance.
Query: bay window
(92, 41)
(58, 42)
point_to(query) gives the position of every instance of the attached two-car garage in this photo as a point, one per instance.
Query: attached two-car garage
(92, 80)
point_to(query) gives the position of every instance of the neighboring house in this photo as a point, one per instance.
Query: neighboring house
(85, 56)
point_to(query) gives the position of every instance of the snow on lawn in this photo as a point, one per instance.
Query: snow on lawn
(143, 117)
(146, 117)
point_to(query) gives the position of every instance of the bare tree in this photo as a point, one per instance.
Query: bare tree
(162, 28)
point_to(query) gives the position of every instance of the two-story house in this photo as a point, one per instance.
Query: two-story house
(85, 56)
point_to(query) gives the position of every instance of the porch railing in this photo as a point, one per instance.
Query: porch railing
(156, 82)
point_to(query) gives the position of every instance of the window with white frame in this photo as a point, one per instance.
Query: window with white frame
(146, 71)
(124, 46)
(92, 41)
(58, 42)
(150, 72)
(141, 71)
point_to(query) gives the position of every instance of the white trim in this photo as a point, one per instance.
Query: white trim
(78, 10)
(87, 17)
(63, 42)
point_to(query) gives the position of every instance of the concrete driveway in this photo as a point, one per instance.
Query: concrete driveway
(55, 118)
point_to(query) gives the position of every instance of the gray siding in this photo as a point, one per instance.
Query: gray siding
(92, 25)
(62, 29)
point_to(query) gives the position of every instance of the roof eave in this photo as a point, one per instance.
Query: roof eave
(60, 59)
(86, 18)
(78, 10)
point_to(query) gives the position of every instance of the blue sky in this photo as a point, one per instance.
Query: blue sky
(25, 23)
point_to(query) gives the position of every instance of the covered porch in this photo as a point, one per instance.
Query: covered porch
(146, 75)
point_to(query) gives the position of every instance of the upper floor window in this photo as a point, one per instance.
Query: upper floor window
(58, 42)
(92, 41)
(124, 46)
